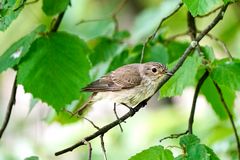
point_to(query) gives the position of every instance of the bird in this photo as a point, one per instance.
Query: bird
(127, 85)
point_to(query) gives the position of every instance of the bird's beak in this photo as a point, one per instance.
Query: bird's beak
(168, 73)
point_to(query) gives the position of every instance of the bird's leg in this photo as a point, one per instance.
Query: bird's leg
(115, 112)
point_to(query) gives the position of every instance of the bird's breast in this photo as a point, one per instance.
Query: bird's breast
(132, 96)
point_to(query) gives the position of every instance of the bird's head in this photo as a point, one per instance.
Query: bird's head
(155, 70)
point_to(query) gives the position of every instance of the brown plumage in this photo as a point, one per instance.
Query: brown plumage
(123, 78)
(129, 84)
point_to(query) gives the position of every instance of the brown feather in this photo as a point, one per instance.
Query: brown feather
(123, 78)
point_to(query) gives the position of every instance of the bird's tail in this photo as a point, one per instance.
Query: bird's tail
(87, 104)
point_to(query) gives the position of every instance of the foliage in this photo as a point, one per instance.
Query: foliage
(182, 78)
(52, 7)
(201, 7)
(54, 66)
(9, 10)
(154, 153)
(63, 70)
(32, 158)
(12, 56)
(194, 150)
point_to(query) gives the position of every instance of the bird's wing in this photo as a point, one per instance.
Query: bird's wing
(123, 78)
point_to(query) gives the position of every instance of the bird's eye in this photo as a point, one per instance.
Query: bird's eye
(154, 70)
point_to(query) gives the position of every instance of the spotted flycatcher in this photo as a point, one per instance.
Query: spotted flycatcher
(128, 85)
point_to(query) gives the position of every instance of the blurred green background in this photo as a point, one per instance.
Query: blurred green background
(29, 133)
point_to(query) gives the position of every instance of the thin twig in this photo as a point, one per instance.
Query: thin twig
(92, 20)
(115, 13)
(103, 147)
(191, 117)
(175, 135)
(57, 22)
(221, 43)
(153, 35)
(111, 125)
(198, 87)
(173, 37)
(104, 129)
(230, 117)
(115, 112)
(11, 103)
(112, 16)
(89, 150)
(24, 3)
(92, 123)
(193, 30)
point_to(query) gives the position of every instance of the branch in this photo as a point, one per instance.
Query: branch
(191, 117)
(175, 135)
(107, 127)
(230, 117)
(112, 16)
(194, 44)
(103, 147)
(191, 26)
(9, 107)
(104, 129)
(57, 22)
(193, 30)
(152, 36)
(24, 3)
(173, 37)
(221, 43)
(89, 150)
(115, 112)
(115, 13)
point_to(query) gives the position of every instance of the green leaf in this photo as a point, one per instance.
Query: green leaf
(96, 29)
(119, 60)
(180, 157)
(119, 36)
(194, 150)
(201, 7)
(189, 140)
(208, 53)
(154, 153)
(148, 20)
(32, 158)
(12, 56)
(104, 49)
(229, 1)
(182, 78)
(227, 73)
(53, 7)
(156, 53)
(176, 49)
(55, 69)
(9, 10)
(210, 92)
(211, 152)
